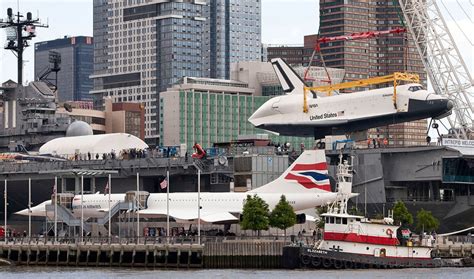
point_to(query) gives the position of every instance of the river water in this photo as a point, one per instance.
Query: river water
(24, 272)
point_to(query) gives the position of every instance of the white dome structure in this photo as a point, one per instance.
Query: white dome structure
(79, 128)
(95, 144)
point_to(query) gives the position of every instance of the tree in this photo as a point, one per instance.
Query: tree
(401, 214)
(282, 215)
(355, 211)
(321, 210)
(426, 221)
(255, 214)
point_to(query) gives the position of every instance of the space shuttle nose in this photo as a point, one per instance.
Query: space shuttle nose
(257, 117)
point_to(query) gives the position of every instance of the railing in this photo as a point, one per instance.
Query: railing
(463, 239)
(159, 240)
(420, 199)
(148, 162)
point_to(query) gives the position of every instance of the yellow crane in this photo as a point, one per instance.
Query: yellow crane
(395, 77)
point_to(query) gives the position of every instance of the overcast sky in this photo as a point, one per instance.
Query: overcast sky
(283, 22)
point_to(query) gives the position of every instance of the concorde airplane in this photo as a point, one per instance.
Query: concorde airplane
(344, 113)
(305, 184)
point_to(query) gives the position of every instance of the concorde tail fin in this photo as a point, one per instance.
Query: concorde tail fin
(309, 173)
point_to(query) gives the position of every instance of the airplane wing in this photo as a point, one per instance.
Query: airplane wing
(218, 217)
(186, 215)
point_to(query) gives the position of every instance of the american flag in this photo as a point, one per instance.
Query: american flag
(30, 29)
(106, 190)
(164, 184)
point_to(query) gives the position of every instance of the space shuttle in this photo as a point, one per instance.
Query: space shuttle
(305, 185)
(344, 113)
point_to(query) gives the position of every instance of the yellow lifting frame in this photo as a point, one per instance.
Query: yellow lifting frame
(397, 76)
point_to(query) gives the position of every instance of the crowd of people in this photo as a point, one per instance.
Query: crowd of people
(377, 142)
(126, 154)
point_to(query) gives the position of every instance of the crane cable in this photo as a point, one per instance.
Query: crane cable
(396, 4)
(460, 29)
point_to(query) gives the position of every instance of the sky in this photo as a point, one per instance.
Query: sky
(284, 22)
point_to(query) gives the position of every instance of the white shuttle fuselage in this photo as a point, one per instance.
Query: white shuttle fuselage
(344, 113)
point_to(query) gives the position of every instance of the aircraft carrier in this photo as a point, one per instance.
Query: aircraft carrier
(436, 178)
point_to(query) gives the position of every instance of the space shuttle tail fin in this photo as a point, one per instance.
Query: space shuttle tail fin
(289, 80)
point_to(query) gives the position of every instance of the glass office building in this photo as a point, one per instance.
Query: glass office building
(234, 34)
(77, 54)
(207, 111)
(144, 47)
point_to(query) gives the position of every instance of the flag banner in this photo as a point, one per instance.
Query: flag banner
(164, 184)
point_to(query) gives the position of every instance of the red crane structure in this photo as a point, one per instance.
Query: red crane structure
(350, 37)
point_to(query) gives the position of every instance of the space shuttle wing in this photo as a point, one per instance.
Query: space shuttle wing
(186, 215)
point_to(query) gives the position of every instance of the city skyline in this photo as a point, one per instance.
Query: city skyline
(304, 19)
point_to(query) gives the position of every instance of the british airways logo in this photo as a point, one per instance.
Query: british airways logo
(311, 176)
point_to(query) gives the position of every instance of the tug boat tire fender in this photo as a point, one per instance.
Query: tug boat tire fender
(305, 259)
(316, 262)
(338, 264)
(348, 265)
(327, 263)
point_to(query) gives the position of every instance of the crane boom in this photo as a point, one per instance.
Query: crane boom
(350, 37)
(446, 69)
(359, 36)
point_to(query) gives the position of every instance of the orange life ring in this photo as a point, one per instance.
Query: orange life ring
(389, 232)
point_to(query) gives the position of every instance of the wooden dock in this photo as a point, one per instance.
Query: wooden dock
(126, 255)
(214, 253)
(220, 253)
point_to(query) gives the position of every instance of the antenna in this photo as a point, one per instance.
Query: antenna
(19, 32)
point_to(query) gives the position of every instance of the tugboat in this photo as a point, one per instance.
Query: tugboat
(351, 241)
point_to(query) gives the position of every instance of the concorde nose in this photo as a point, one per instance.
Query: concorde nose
(22, 212)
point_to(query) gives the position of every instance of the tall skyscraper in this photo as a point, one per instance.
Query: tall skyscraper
(372, 57)
(144, 47)
(76, 53)
(234, 33)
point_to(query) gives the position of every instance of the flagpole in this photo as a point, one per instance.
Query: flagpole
(82, 207)
(199, 207)
(110, 213)
(29, 208)
(167, 205)
(5, 192)
(55, 209)
(138, 207)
